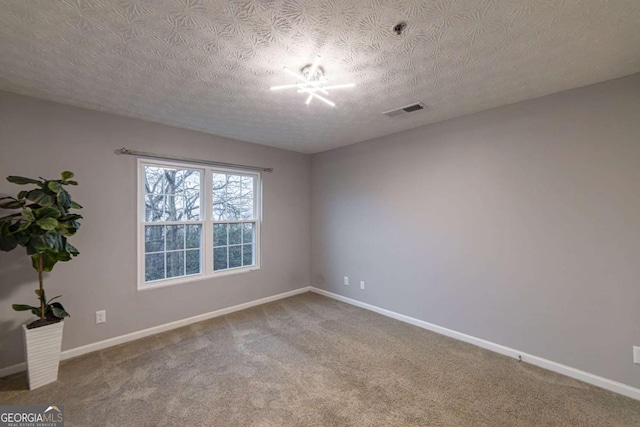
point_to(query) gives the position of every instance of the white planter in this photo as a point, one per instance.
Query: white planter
(42, 346)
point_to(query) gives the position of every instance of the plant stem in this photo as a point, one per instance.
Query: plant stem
(41, 286)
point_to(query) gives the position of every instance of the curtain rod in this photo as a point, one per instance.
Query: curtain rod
(128, 152)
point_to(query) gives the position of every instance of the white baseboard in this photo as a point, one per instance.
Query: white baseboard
(587, 377)
(13, 369)
(100, 345)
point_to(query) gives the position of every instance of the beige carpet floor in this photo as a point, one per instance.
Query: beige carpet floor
(312, 361)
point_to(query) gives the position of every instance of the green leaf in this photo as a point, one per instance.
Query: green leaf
(22, 307)
(22, 237)
(35, 195)
(21, 180)
(75, 205)
(56, 297)
(7, 240)
(24, 226)
(47, 200)
(42, 242)
(59, 311)
(47, 223)
(72, 182)
(40, 295)
(68, 231)
(63, 256)
(41, 198)
(27, 214)
(67, 175)
(72, 249)
(10, 218)
(70, 217)
(22, 194)
(64, 199)
(54, 186)
(48, 212)
(12, 204)
(49, 259)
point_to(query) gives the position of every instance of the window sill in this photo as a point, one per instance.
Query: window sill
(195, 278)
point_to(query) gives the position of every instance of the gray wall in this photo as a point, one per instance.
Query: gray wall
(39, 138)
(519, 225)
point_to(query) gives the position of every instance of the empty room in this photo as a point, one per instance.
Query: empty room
(319, 213)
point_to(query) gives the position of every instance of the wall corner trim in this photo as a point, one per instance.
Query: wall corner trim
(110, 342)
(605, 383)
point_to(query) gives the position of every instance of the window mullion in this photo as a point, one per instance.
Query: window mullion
(228, 226)
(164, 248)
(235, 221)
(184, 250)
(207, 197)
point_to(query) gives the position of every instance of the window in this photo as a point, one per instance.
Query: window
(196, 222)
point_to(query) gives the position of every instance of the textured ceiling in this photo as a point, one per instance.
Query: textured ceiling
(208, 65)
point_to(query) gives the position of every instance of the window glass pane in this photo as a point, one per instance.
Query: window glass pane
(154, 180)
(154, 238)
(219, 234)
(247, 232)
(193, 262)
(153, 267)
(194, 236)
(190, 182)
(178, 181)
(247, 255)
(173, 208)
(192, 206)
(175, 264)
(235, 256)
(172, 194)
(235, 234)
(154, 208)
(175, 237)
(220, 258)
(232, 197)
(181, 208)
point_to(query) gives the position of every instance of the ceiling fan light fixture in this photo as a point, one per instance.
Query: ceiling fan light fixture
(312, 81)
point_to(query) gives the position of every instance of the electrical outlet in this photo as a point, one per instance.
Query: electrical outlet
(101, 316)
(346, 280)
(362, 285)
(636, 354)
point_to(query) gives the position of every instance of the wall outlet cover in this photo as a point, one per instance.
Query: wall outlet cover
(346, 280)
(636, 354)
(101, 316)
(362, 284)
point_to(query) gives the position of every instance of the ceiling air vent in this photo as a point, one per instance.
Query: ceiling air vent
(404, 110)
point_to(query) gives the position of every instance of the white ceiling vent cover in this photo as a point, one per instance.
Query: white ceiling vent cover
(404, 110)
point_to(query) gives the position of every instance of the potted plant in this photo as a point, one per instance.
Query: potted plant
(42, 226)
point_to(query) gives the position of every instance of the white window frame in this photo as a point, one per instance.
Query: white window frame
(206, 219)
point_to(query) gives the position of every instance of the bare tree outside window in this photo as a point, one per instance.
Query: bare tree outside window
(233, 200)
(172, 194)
(232, 197)
(172, 197)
